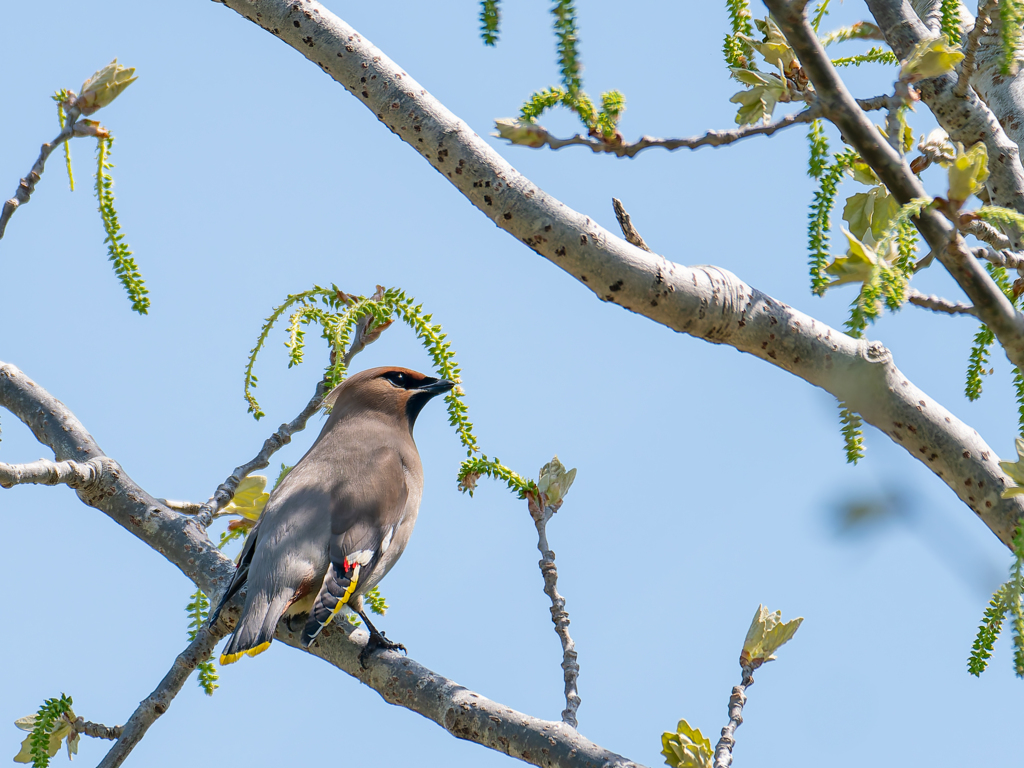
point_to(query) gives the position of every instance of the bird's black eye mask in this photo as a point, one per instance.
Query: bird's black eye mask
(403, 380)
(422, 390)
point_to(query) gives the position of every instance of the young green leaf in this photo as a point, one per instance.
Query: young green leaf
(967, 173)
(766, 635)
(104, 86)
(930, 58)
(686, 748)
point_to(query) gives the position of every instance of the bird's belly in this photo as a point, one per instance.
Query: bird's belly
(302, 605)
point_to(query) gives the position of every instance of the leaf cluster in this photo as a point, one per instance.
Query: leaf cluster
(781, 80)
(600, 123)
(47, 729)
(686, 748)
(767, 633)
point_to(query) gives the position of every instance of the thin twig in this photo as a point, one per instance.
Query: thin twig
(97, 731)
(709, 139)
(971, 49)
(540, 137)
(1002, 258)
(986, 233)
(75, 474)
(938, 304)
(154, 705)
(226, 490)
(628, 230)
(27, 185)
(541, 512)
(723, 751)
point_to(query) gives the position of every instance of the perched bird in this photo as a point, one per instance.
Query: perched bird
(341, 518)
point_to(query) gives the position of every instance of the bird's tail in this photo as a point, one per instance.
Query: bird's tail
(255, 629)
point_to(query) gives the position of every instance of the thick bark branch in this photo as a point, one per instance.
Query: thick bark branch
(706, 302)
(175, 536)
(73, 474)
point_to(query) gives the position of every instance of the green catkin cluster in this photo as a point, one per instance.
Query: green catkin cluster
(820, 218)
(46, 718)
(490, 20)
(737, 51)
(338, 314)
(1005, 603)
(198, 610)
(117, 249)
(603, 123)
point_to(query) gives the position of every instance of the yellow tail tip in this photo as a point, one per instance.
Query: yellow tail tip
(231, 658)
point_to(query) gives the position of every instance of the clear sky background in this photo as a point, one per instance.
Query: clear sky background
(709, 481)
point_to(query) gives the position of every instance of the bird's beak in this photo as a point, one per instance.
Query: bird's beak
(435, 386)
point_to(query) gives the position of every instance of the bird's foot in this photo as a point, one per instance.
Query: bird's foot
(376, 641)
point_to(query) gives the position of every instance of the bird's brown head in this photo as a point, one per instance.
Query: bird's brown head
(392, 391)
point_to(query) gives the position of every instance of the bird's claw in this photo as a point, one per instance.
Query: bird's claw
(378, 640)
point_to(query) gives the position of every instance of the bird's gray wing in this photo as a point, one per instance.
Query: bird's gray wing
(366, 511)
(241, 572)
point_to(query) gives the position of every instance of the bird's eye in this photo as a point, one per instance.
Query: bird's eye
(398, 379)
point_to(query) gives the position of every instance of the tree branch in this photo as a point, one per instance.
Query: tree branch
(723, 750)
(539, 136)
(967, 66)
(73, 474)
(705, 302)
(937, 304)
(541, 512)
(95, 730)
(992, 307)
(27, 185)
(986, 233)
(1001, 93)
(113, 492)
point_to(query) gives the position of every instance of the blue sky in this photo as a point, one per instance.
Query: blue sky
(708, 481)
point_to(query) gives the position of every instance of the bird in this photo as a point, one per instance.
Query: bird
(340, 519)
